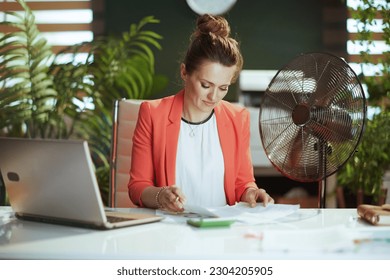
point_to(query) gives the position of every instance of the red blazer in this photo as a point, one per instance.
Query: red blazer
(155, 145)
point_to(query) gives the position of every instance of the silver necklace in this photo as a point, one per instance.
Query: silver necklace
(197, 124)
(192, 132)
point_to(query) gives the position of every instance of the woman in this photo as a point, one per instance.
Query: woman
(193, 147)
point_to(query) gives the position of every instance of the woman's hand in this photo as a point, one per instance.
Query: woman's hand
(253, 195)
(170, 199)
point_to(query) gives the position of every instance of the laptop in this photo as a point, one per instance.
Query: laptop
(54, 181)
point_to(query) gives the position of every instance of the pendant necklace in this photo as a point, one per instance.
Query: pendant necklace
(197, 124)
(192, 133)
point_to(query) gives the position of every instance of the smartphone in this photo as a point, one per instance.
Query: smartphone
(210, 222)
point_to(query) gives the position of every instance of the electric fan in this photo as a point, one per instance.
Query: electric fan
(312, 117)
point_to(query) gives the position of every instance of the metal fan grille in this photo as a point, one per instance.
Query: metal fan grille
(312, 116)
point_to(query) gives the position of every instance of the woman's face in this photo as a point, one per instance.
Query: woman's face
(206, 86)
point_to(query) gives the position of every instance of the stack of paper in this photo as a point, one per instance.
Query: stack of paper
(241, 212)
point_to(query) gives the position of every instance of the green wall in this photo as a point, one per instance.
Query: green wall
(271, 32)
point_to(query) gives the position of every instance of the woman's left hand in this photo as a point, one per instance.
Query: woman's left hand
(254, 195)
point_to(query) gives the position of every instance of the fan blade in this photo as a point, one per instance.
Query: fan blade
(286, 89)
(295, 152)
(331, 125)
(319, 70)
(332, 75)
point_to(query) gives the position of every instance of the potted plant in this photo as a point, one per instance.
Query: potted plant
(38, 94)
(362, 176)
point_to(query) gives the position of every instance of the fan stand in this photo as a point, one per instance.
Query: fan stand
(323, 151)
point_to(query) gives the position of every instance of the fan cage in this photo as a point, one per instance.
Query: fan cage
(312, 116)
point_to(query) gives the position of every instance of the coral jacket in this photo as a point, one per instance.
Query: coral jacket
(155, 145)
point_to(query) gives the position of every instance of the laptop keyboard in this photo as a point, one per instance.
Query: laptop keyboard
(114, 219)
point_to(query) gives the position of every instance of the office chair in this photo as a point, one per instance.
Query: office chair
(2, 191)
(125, 115)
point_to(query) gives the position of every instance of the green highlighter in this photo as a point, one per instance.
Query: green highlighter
(210, 222)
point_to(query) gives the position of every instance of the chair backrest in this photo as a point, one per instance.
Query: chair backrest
(2, 191)
(125, 115)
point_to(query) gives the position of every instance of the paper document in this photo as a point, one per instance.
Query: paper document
(321, 240)
(241, 212)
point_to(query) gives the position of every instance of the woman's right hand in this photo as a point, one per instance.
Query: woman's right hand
(170, 198)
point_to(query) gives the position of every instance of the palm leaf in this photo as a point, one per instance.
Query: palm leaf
(24, 70)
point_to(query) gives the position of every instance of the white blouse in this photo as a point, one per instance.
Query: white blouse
(199, 164)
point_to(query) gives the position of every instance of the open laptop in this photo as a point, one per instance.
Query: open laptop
(54, 181)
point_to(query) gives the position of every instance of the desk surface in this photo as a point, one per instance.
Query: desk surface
(308, 234)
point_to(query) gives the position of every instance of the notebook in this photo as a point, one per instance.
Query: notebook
(54, 181)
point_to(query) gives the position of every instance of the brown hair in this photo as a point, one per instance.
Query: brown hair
(211, 41)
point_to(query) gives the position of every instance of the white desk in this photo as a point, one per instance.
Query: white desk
(167, 240)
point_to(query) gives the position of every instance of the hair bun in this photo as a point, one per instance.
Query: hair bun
(211, 41)
(213, 25)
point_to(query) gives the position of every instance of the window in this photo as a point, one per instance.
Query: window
(376, 48)
(62, 23)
